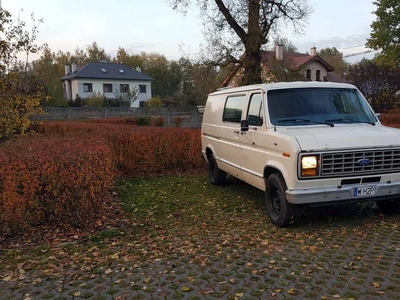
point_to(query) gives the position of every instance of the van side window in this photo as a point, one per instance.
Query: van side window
(254, 113)
(233, 109)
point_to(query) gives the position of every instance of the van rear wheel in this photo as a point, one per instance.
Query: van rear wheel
(217, 176)
(280, 211)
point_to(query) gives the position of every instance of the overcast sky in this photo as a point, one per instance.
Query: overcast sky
(152, 26)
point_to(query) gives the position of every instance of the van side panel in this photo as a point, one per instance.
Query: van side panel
(224, 136)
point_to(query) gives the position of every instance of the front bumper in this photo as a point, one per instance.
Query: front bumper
(347, 193)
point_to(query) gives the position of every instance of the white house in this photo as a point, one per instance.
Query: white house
(107, 79)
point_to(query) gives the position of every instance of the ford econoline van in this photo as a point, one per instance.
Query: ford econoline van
(302, 143)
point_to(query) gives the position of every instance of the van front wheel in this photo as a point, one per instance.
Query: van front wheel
(217, 176)
(280, 211)
(389, 206)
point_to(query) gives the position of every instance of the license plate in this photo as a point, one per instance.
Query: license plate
(364, 191)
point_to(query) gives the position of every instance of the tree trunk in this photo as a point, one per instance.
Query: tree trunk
(252, 68)
(252, 44)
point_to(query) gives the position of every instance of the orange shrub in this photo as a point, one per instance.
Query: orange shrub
(65, 174)
(392, 119)
(156, 151)
(56, 180)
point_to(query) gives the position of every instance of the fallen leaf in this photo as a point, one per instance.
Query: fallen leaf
(291, 291)
(376, 284)
(93, 249)
(8, 278)
(185, 289)
(239, 295)
(114, 256)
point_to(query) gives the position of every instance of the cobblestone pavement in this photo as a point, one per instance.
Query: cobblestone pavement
(355, 265)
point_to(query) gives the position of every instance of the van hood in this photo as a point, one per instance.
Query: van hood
(344, 136)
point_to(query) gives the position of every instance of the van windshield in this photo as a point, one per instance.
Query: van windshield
(313, 106)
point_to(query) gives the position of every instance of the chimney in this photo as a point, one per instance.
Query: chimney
(139, 69)
(67, 69)
(279, 52)
(313, 51)
(74, 68)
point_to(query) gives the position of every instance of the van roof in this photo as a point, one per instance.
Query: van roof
(283, 85)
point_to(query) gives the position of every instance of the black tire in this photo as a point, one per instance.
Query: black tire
(389, 206)
(217, 176)
(280, 211)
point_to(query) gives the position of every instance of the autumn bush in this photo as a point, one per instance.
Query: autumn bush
(65, 174)
(157, 151)
(18, 104)
(391, 119)
(53, 180)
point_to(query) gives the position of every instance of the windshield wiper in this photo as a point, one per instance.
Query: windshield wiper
(349, 120)
(305, 121)
(339, 120)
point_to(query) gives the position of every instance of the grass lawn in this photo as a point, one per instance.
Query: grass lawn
(189, 229)
(187, 215)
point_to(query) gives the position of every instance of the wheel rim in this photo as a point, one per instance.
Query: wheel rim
(276, 202)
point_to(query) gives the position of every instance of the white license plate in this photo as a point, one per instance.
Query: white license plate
(364, 191)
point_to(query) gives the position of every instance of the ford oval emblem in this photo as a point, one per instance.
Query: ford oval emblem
(363, 162)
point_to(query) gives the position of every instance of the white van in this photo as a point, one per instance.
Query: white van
(314, 143)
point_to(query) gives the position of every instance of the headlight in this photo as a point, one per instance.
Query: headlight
(308, 162)
(309, 166)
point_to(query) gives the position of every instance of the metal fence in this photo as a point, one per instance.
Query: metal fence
(186, 116)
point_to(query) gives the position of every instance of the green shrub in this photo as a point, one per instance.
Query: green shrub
(143, 121)
(95, 100)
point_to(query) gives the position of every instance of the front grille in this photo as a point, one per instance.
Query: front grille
(351, 162)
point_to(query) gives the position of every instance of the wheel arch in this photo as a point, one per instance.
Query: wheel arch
(208, 151)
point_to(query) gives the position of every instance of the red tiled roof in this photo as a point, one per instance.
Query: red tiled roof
(294, 60)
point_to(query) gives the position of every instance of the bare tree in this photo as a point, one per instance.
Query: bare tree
(241, 27)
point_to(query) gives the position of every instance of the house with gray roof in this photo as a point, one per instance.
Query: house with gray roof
(108, 79)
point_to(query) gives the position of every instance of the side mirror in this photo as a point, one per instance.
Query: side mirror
(244, 124)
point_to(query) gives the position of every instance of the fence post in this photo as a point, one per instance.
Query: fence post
(168, 116)
(68, 113)
(196, 117)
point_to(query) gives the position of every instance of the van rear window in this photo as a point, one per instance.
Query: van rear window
(233, 108)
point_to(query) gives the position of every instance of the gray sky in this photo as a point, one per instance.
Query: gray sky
(152, 26)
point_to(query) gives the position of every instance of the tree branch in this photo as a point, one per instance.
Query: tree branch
(231, 21)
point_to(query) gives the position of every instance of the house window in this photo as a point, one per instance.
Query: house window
(308, 74)
(124, 88)
(142, 89)
(87, 88)
(103, 70)
(318, 75)
(107, 88)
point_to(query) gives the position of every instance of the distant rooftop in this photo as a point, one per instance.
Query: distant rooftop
(105, 70)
